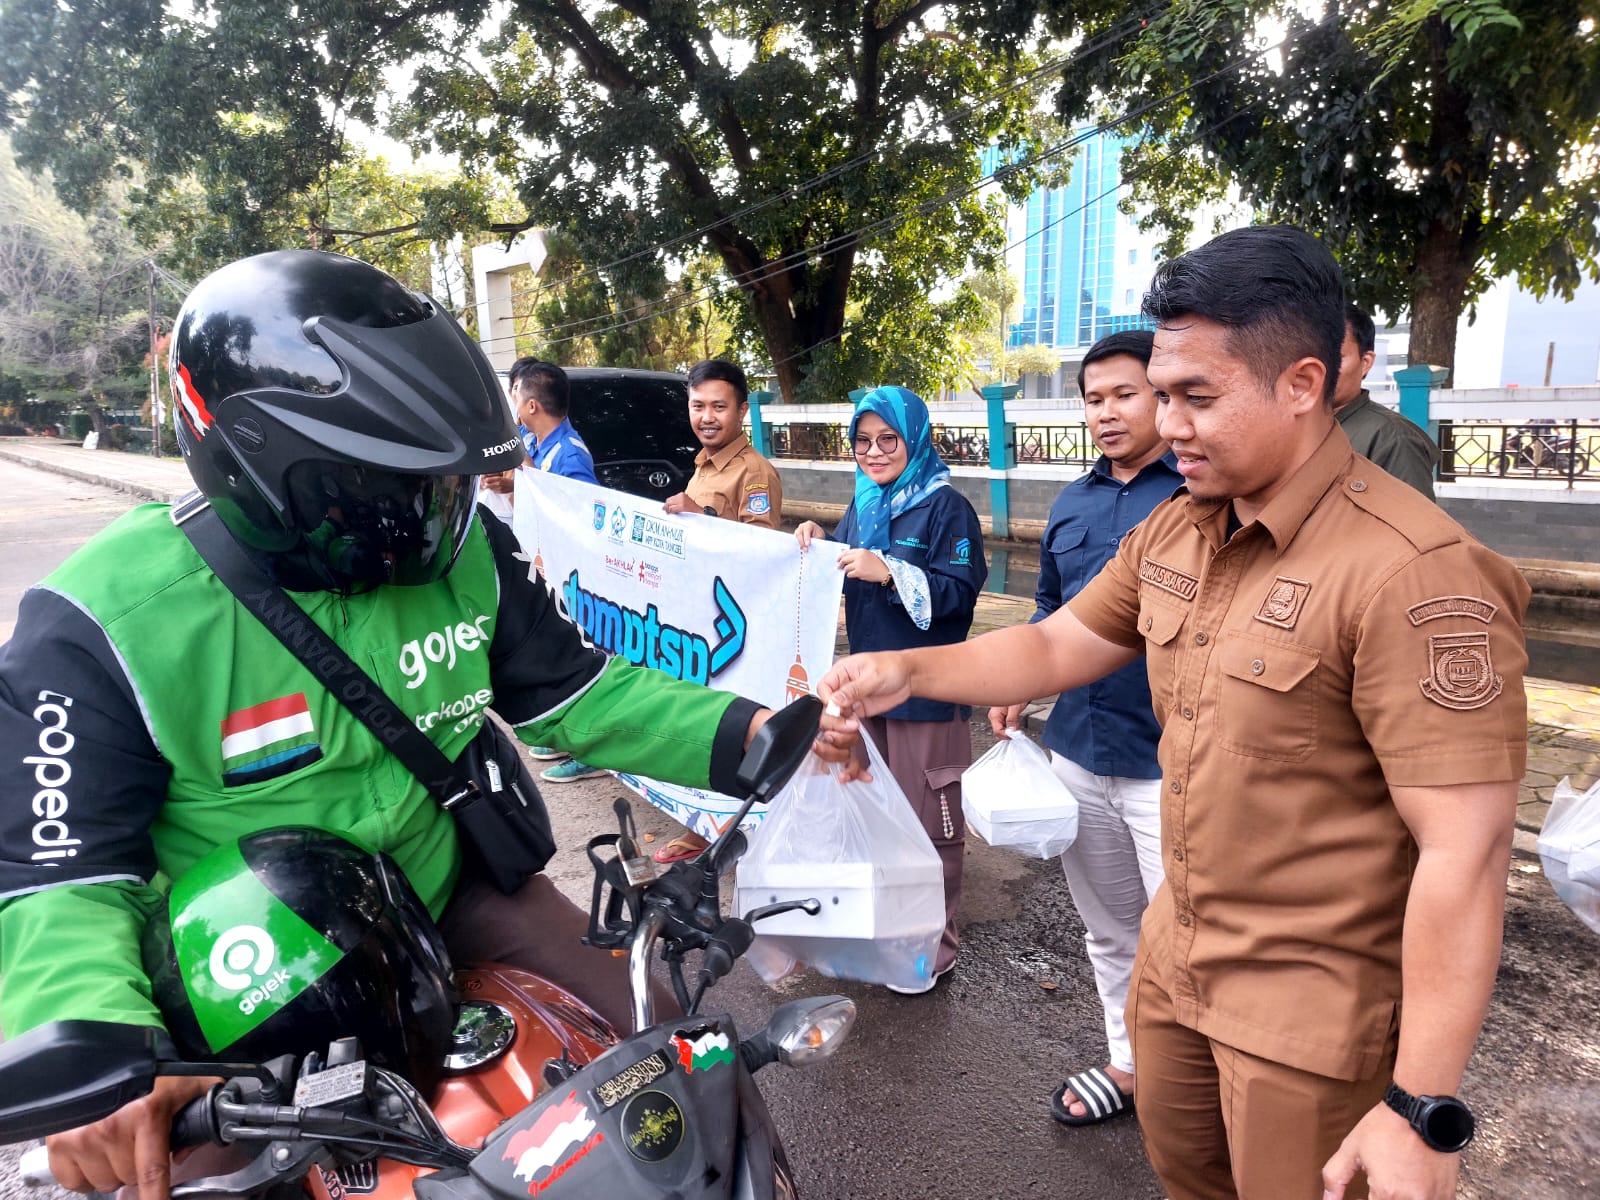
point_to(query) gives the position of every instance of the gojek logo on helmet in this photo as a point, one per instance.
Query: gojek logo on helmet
(242, 951)
(242, 958)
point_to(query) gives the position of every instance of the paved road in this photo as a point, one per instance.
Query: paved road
(942, 1096)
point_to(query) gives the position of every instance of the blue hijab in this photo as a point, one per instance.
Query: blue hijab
(905, 413)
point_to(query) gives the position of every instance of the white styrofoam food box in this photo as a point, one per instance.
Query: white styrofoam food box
(1012, 825)
(859, 899)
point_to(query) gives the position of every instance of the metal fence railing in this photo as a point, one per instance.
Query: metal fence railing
(966, 445)
(1558, 451)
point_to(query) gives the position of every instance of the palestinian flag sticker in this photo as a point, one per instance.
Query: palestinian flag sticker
(700, 1050)
(267, 740)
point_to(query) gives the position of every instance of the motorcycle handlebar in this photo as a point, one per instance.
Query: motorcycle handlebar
(194, 1125)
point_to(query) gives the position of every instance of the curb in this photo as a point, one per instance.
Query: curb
(142, 490)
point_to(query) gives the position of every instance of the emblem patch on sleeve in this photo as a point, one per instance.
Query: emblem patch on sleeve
(757, 502)
(1460, 671)
(1284, 602)
(1452, 606)
(1169, 579)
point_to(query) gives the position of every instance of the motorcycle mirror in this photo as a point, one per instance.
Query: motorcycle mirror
(807, 1031)
(779, 747)
(70, 1073)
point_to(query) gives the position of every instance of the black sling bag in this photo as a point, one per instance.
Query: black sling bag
(499, 815)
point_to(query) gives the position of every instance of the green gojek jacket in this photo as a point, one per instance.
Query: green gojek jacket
(146, 717)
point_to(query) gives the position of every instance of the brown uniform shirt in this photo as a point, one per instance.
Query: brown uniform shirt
(1352, 638)
(738, 483)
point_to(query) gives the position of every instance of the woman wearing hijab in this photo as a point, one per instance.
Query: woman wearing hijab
(912, 576)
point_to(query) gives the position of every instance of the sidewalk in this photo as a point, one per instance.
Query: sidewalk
(1563, 719)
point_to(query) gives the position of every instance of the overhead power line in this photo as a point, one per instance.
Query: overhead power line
(838, 242)
(1046, 71)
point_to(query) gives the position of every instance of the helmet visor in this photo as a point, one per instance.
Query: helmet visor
(367, 526)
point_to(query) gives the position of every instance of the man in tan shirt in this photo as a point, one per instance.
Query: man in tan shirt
(730, 480)
(1337, 667)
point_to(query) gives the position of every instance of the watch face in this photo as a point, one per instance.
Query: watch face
(1447, 1124)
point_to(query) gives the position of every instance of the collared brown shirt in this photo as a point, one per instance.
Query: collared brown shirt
(1350, 639)
(738, 483)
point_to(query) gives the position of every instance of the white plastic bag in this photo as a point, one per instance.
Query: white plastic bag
(1013, 798)
(1569, 848)
(858, 848)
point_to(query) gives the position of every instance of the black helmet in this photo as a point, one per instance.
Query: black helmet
(287, 939)
(336, 421)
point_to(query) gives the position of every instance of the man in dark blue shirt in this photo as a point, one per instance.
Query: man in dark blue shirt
(1102, 738)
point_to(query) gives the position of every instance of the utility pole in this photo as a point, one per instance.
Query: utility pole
(155, 365)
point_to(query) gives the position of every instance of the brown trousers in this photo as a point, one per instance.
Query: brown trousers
(538, 929)
(1220, 1124)
(926, 759)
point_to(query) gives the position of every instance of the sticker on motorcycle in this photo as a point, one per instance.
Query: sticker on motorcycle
(547, 1149)
(700, 1051)
(652, 1126)
(629, 1080)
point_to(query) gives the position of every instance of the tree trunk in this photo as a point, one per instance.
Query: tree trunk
(1438, 297)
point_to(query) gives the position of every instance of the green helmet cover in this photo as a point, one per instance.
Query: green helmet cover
(239, 973)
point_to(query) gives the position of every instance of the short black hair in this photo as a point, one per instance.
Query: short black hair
(722, 370)
(545, 383)
(1276, 288)
(1361, 328)
(1135, 343)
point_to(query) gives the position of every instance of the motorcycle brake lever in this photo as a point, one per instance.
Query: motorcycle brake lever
(277, 1161)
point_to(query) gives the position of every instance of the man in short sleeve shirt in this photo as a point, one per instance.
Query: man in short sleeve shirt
(730, 479)
(1338, 670)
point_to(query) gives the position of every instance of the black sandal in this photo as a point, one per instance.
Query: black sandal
(1099, 1095)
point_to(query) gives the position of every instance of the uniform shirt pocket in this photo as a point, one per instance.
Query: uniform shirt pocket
(1267, 702)
(1065, 545)
(1159, 623)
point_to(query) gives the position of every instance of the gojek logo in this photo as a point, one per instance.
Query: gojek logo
(645, 640)
(242, 958)
(242, 951)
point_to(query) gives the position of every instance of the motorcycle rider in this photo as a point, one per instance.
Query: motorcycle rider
(336, 423)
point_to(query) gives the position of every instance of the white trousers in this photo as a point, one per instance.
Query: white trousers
(1112, 870)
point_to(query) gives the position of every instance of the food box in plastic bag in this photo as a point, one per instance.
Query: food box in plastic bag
(1013, 798)
(1569, 849)
(858, 849)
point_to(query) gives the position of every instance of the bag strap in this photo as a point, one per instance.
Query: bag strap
(322, 656)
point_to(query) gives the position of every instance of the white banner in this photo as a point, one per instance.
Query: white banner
(717, 602)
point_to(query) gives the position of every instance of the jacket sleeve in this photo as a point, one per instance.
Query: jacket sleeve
(554, 687)
(84, 784)
(956, 569)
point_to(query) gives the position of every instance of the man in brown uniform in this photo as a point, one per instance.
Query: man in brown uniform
(1392, 441)
(1338, 670)
(730, 480)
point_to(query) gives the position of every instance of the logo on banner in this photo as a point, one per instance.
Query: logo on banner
(622, 567)
(654, 533)
(599, 515)
(649, 575)
(644, 639)
(619, 524)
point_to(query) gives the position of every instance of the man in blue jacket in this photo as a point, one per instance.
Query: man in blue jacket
(1102, 738)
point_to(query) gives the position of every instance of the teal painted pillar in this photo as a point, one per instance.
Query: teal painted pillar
(1001, 455)
(758, 427)
(1416, 386)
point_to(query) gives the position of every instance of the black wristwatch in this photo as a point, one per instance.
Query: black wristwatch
(1443, 1122)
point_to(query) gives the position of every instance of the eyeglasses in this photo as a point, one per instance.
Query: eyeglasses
(887, 443)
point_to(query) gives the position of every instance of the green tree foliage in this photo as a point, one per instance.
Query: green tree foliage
(74, 315)
(624, 124)
(1435, 144)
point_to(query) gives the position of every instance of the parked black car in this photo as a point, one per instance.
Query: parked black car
(636, 424)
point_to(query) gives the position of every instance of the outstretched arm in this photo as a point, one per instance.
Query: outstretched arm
(1008, 666)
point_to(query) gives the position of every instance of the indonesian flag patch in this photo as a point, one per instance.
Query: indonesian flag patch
(267, 740)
